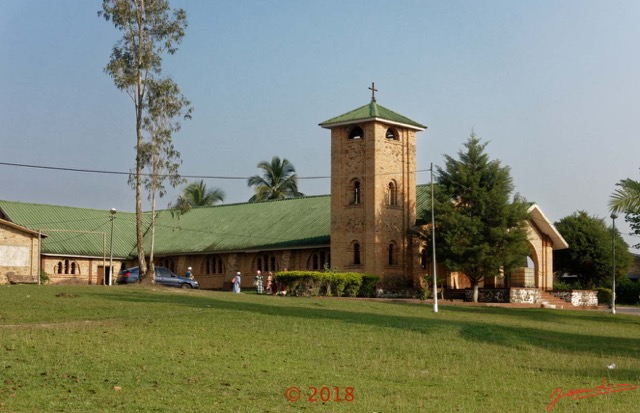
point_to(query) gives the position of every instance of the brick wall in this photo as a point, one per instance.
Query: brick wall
(374, 161)
(19, 252)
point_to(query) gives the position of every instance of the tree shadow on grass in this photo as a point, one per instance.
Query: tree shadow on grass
(542, 314)
(518, 337)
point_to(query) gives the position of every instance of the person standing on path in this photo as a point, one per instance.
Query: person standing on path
(258, 283)
(236, 283)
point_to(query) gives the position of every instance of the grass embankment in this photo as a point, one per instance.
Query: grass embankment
(132, 349)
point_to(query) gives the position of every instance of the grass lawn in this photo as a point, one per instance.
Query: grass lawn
(135, 349)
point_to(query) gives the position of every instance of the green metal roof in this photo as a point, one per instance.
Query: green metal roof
(423, 197)
(292, 223)
(370, 112)
(75, 231)
(298, 222)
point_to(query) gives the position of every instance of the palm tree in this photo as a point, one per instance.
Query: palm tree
(278, 181)
(196, 194)
(626, 198)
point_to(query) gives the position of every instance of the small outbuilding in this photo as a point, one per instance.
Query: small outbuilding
(19, 254)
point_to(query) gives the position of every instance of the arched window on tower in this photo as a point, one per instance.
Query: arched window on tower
(356, 254)
(392, 194)
(392, 250)
(356, 193)
(356, 133)
(391, 134)
(424, 258)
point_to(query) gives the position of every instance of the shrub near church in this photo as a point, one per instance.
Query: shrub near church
(340, 284)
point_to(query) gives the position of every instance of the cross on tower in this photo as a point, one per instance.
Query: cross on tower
(373, 91)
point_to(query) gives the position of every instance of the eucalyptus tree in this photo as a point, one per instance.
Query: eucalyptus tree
(165, 107)
(480, 230)
(278, 181)
(150, 29)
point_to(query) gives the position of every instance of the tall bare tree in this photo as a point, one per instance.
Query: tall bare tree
(150, 29)
(166, 106)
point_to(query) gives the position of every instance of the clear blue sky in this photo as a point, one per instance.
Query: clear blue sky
(551, 85)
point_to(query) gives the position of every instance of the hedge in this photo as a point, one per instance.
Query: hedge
(331, 283)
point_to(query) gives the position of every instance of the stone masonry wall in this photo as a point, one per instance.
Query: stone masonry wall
(524, 295)
(374, 161)
(579, 298)
(19, 252)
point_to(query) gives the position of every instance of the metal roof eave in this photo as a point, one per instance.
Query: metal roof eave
(559, 243)
(92, 257)
(22, 228)
(371, 119)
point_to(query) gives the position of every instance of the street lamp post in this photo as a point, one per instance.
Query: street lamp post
(613, 263)
(433, 243)
(111, 218)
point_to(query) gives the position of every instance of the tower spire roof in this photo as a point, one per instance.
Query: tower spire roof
(372, 112)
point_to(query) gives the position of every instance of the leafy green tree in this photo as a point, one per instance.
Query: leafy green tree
(634, 224)
(626, 199)
(590, 250)
(149, 31)
(196, 194)
(278, 181)
(480, 231)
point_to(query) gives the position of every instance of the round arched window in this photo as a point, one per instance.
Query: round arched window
(356, 133)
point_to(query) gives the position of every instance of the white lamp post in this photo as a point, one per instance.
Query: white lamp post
(433, 243)
(111, 218)
(613, 263)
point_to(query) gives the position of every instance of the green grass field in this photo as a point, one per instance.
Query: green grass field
(134, 349)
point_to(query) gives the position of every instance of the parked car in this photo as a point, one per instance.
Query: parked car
(164, 276)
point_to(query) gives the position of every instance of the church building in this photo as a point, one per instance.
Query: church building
(364, 225)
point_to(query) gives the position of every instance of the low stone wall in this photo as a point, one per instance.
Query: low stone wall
(524, 295)
(488, 295)
(390, 293)
(505, 295)
(578, 298)
(13, 278)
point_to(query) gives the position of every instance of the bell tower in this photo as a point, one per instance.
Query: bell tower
(373, 190)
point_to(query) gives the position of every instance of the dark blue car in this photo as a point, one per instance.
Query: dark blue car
(164, 276)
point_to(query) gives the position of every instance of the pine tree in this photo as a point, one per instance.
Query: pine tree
(480, 231)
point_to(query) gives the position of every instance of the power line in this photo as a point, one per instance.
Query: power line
(96, 171)
(103, 172)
